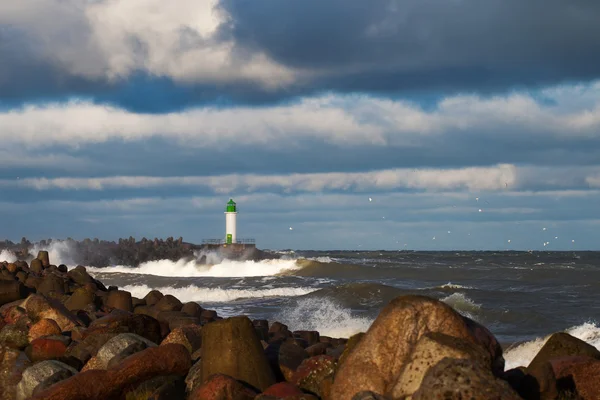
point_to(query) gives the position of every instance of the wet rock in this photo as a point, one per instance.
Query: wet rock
(277, 328)
(15, 336)
(317, 349)
(194, 377)
(41, 376)
(39, 307)
(12, 312)
(192, 309)
(189, 336)
(208, 316)
(171, 359)
(336, 352)
(22, 277)
(562, 365)
(311, 337)
(12, 268)
(283, 390)
(312, 373)
(378, 359)
(12, 364)
(168, 303)
(44, 258)
(42, 349)
(262, 329)
(119, 299)
(453, 379)
(80, 276)
(539, 383)
(120, 346)
(153, 297)
(11, 291)
(159, 388)
(124, 322)
(84, 350)
(562, 344)
(137, 302)
(231, 347)
(44, 327)
(284, 359)
(81, 298)
(429, 350)
(222, 387)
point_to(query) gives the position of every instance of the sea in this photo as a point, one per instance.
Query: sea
(521, 297)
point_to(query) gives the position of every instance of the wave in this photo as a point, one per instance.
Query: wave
(190, 268)
(327, 317)
(324, 259)
(451, 285)
(358, 295)
(462, 304)
(8, 256)
(216, 295)
(522, 354)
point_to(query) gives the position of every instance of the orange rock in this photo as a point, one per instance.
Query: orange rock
(378, 359)
(585, 375)
(45, 349)
(170, 359)
(283, 390)
(39, 307)
(44, 327)
(222, 387)
(313, 371)
(190, 336)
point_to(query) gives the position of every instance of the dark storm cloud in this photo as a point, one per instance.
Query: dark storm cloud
(387, 44)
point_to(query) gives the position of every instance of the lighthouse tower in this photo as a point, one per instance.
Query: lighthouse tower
(230, 222)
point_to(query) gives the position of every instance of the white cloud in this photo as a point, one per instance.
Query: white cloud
(341, 120)
(476, 178)
(112, 39)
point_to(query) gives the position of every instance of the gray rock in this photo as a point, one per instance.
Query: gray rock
(120, 346)
(41, 376)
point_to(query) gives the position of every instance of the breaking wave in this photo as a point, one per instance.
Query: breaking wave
(462, 304)
(59, 252)
(216, 295)
(522, 354)
(325, 316)
(8, 256)
(358, 295)
(190, 268)
(451, 286)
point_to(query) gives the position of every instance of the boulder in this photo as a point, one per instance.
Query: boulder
(41, 376)
(124, 322)
(311, 337)
(119, 299)
(12, 364)
(192, 309)
(283, 390)
(137, 302)
(379, 358)
(12, 268)
(51, 283)
(168, 303)
(560, 345)
(189, 336)
(368, 395)
(43, 349)
(317, 349)
(36, 266)
(231, 347)
(352, 342)
(284, 359)
(81, 352)
(539, 382)
(429, 350)
(222, 387)
(176, 319)
(170, 359)
(262, 329)
(11, 291)
(81, 298)
(39, 307)
(313, 372)
(153, 297)
(44, 258)
(279, 328)
(15, 336)
(120, 347)
(585, 377)
(453, 379)
(80, 276)
(159, 388)
(44, 327)
(194, 378)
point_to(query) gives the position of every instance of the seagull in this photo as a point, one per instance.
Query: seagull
(508, 240)
(433, 238)
(291, 229)
(370, 199)
(543, 229)
(480, 210)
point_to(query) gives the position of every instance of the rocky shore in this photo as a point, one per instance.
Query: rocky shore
(64, 335)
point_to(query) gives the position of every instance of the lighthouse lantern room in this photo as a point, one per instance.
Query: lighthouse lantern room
(230, 222)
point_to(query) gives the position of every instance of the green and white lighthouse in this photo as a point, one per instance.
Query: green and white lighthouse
(230, 222)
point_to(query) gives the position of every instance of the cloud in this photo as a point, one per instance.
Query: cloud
(337, 119)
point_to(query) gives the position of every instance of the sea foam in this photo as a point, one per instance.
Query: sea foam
(216, 295)
(8, 256)
(190, 268)
(522, 354)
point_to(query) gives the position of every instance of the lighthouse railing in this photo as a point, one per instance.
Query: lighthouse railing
(223, 241)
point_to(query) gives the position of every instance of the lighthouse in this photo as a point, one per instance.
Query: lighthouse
(230, 222)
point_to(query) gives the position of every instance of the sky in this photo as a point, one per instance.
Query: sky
(334, 124)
